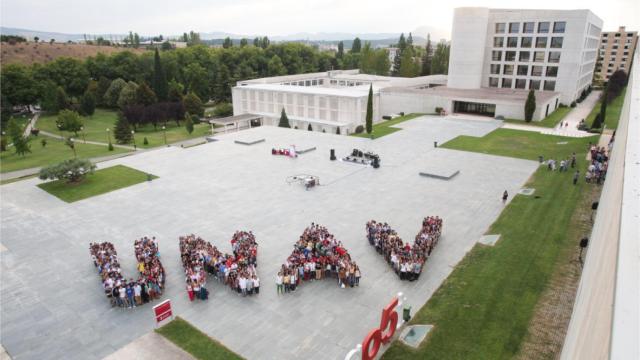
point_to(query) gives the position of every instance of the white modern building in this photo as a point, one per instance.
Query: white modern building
(549, 50)
(325, 101)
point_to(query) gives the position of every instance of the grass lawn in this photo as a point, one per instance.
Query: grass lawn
(386, 126)
(194, 341)
(101, 182)
(483, 309)
(55, 151)
(613, 112)
(549, 122)
(521, 144)
(95, 129)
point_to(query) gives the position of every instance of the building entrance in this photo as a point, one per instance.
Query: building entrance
(474, 108)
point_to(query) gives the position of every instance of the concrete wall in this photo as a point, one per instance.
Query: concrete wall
(468, 44)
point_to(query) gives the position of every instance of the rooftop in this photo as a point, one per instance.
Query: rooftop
(496, 95)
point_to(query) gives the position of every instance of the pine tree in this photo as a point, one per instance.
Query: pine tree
(284, 120)
(397, 62)
(356, 46)
(603, 105)
(122, 131)
(369, 116)
(188, 123)
(340, 53)
(530, 106)
(20, 142)
(193, 104)
(227, 43)
(428, 56)
(402, 43)
(310, 128)
(244, 42)
(159, 84)
(62, 101)
(88, 103)
(410, 40)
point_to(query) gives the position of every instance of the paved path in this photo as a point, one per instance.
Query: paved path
(32, 122)
(46, 133)
(152, 346)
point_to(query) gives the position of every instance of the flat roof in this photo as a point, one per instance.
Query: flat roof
(350, 91)
(492, 94)
(234, 119)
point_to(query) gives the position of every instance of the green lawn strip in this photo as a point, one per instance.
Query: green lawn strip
(613, 112)
(195, 342)
(521, 144)
(95, 129)
(55, 151)
(549, 122)
(483, 309)
(101, 182)
(386, 127)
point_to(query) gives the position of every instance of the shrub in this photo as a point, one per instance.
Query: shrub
(359, 129)
(223, 109)
(145, 141)
(310, 128)
(110, 147)
(3, 144)
(562, 105)
(573, 104)
(386, 117)
(401, 113)
(438, 109)
(43, 142)
(73, 170)
(338, 130)
(35, 131)
(499, 117)
(195, 119)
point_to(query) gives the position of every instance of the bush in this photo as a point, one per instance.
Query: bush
(573, 104)
(145, 141)
(438, 109)
(562, 105)
(338, 130)
(3, 144)
(499, 117)
(110, 147)
(43, 142)
(386, 117)
(223, 109)
(195, 119)
(310, 128)
(73, 170)
(35, 131)
(359, 129)
(401, 113)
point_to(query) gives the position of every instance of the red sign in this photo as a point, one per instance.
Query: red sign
(377, 337)
(163, 310)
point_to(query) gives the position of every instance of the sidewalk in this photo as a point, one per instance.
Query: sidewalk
(152, 346)
(78, 140)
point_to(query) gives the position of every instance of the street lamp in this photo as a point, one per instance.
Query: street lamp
(83, 137)
(60, 129)
(72, 145)
(133, 135)
(164, 130)
(108, 136)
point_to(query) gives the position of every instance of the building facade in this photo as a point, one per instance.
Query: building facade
(546, 50)
(616, 52)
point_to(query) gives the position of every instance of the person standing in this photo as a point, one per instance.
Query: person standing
(279, 283)
(505, 196)
(575, 177)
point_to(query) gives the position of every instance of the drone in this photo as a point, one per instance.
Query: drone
(308, 181)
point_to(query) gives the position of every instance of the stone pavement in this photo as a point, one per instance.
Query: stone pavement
(52, 302)
(151, 346)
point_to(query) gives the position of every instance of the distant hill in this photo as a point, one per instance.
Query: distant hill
(29, 53)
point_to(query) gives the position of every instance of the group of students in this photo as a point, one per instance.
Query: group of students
(130, 293)
(237, 270)
(563, 164)
(407, 261)
(597, 169)
(317, 255)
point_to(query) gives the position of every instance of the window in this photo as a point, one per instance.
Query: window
(512, 42)
(554, 56)
(525, 42)
(500, 27)
(556, 42)
(524, 56)
(507, 70)
(538, 56)
(498, 41)
(510, 56)
(493, 82)
(558, 26)
(543, 27)
(550, 85)
(534, 84)
(495, 68)
(527, 27)
(514, 28)
(521, 83)
(552, 71)
(506, 83)
(541, 42)
(496, 55)
(613, 53)
(536, 71)
(523, 70)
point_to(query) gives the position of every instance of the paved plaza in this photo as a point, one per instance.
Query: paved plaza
(53, 305)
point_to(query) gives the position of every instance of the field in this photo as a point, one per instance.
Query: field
(549, 122)
(32, 53)
(386, 127)
(613, 112)
(194, 342)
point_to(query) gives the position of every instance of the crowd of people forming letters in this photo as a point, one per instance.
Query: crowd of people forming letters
(237, 270)
(130, 293)
(407, 261)
(317, 255)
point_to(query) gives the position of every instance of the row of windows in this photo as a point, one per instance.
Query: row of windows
(525, 56)
(523, 70)
(305, 82)
(530, 26)
(527, 42)
(604, 35)
(508, 83)
(615, 41)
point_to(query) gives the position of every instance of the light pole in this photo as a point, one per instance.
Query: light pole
(133, 135)
(108, 136)
(83, 137)
(164, 130)
(72, 145)
(60, 129)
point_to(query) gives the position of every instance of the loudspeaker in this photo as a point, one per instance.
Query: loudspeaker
(332, 155)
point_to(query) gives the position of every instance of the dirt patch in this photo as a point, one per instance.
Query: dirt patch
(548, 326)
(29, 53)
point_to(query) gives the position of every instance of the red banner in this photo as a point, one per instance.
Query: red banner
(163, 310)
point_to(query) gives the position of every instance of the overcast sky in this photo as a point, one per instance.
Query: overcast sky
(273, 17)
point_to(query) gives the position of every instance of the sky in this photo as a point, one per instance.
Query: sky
(274, 17)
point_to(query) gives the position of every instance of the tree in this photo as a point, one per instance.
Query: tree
(196, 79)
(36, 39)
(69, 120)
(275, 66)
(597, 122)
(122, 131)
(408, 67)
(337, 130)
(166, 46)
(340, 53)
(603, 104)
(175, 91)
(193, 104)
(410, 41)
(244, 42)
(440, 62)
(103, 86)
(265, 42)
(18, 85)
(223, 109)
(188, 123)
(369, 116)
(20, 142)
(159, 84)
(427, 58)
(256, 42)
(88, 103)
(112, 94)
(530, 106)
(145, 96)
(617, 82)
(356, 46)
(73, 170)
(310, 128)
(128, 95)
(284, 120)
(402, 43)
(62, 101)
(227, 43)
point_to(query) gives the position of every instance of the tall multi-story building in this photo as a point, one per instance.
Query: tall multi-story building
(549, 50)
(616, 52)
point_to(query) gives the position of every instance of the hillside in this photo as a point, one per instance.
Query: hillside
(30, 52)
